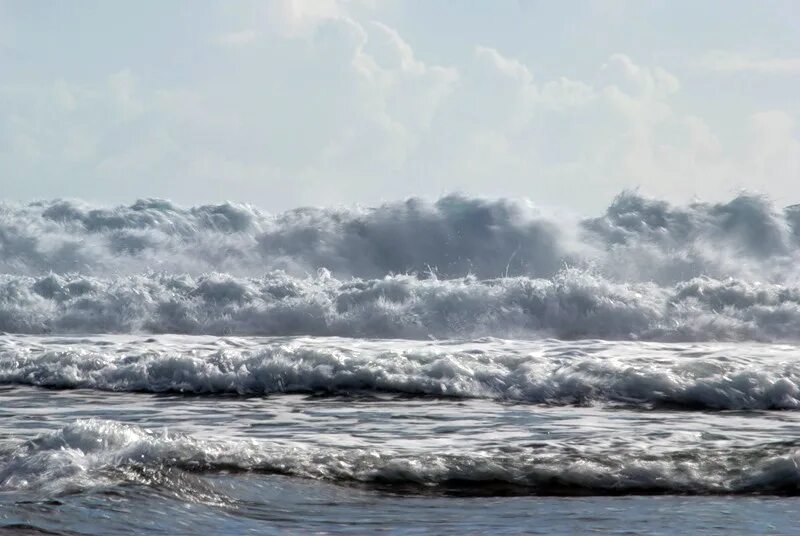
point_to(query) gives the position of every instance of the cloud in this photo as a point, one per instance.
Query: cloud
(774, 148)
(237, 39)
(640, 80)
(123, 92)
(733, 62)
(301, 18)
(323, 105)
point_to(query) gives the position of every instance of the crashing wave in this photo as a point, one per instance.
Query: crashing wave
(637, 239)
(545, 372)
(573, 304)
(92, 453)
(458, 267)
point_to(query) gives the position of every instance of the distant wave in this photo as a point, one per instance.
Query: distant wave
(459, 267)
(94, 453)
(545, 372)
(637, 239)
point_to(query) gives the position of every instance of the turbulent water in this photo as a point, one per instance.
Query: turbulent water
(461, 366)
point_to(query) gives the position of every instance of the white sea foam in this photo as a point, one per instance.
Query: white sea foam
(389, 279)
(573, 304)
(459, 267)
(547, 372)
(90, 453)
(637, 239)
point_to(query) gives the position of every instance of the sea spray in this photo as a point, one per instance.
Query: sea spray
(636, 239)
(550, 372)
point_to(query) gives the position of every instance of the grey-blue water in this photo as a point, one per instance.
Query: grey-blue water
(185, 435)
(459, 366)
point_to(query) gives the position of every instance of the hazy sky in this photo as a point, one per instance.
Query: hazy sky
(288, 103)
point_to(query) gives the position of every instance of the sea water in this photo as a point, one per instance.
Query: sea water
(108, 434)
(464, 366)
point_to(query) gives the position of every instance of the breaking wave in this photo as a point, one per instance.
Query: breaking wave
(573, 304)
(637, 239)
(545, 372)
(92, 453)
(458, 267)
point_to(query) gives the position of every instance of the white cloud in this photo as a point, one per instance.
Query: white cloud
(322, 105)
(508, 67)
(123, 93)
(300, 18)
(237, 39)
(774, 149)
(733, 62)
(650, 82)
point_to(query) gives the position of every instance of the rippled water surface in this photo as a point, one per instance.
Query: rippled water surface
(170, 434)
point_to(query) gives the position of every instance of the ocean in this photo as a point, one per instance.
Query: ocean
(463, 366)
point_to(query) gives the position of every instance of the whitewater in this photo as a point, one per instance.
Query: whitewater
(464, 364)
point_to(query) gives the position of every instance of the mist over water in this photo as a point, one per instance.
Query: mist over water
(459, 267)
(637, 239)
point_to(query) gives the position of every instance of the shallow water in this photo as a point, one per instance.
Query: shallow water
(299, 435)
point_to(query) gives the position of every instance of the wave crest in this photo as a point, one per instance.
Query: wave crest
(89, 453)
(637, 239)
(545, 372)
(573, 304)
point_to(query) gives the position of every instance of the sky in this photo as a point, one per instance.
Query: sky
(285, 103)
